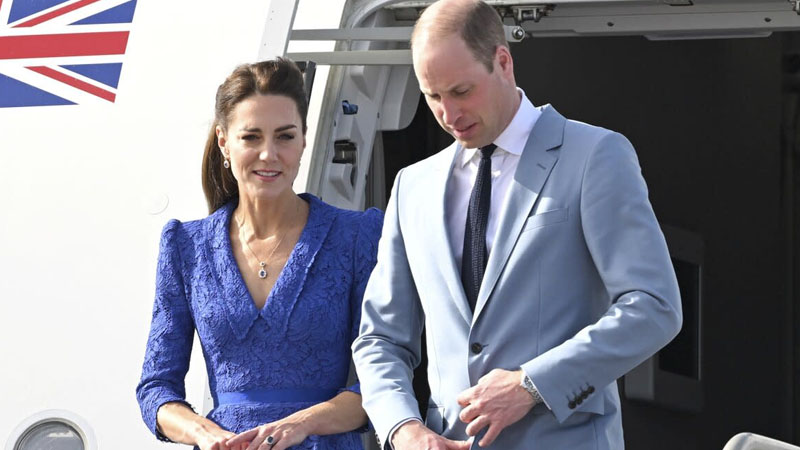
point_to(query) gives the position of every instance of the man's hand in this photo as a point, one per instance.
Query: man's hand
(496, 401)
(414, 435)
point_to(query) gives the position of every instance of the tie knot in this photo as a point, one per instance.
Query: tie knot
(487, 150)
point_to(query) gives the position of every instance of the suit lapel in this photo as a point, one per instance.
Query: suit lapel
(442, 254)
(535, 165)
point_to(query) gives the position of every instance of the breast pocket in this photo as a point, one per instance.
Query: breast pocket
(546, 218)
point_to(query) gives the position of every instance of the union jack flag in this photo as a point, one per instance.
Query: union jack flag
(62, 52)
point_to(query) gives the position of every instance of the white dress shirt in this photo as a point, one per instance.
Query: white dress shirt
(505, 159)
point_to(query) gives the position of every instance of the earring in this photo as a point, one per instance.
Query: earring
(226, 164)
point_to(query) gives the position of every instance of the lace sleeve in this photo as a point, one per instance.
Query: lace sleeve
(169, 345)
(365, 257)
(366, 249)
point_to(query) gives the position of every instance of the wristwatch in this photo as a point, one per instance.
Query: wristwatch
(527, 384)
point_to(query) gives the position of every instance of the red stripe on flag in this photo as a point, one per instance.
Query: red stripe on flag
(74, 82)
(56, 13)
(54, 45)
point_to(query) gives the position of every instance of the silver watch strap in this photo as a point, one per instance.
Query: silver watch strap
(528, 385)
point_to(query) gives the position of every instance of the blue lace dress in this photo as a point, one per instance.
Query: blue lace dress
(300, 340)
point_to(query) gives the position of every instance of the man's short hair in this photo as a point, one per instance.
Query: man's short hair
(478, 24)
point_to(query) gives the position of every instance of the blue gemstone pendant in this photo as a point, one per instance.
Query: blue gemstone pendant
(263, 272)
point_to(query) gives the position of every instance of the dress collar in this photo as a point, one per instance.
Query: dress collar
(239, 304)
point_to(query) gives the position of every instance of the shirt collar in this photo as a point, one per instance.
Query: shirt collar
(515, 136)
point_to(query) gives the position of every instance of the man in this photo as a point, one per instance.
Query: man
(537, 267)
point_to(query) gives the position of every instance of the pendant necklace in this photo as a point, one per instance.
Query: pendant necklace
(262, 273)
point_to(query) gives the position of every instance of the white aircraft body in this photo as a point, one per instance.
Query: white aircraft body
(101, 143)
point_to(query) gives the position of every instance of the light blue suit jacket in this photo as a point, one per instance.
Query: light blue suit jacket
(579, 289)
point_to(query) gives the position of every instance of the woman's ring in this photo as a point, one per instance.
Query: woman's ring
(270, 440)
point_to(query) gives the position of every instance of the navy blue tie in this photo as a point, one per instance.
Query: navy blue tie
(475, 256)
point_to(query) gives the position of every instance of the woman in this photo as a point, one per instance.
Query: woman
(271, 281)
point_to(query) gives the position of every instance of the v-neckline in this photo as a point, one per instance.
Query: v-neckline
(284, 295)
(289, 260)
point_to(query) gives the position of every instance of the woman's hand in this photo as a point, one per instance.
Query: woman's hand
(286, 432)
(209, 436)
(210, 439)
(180, 424)
(337, 415)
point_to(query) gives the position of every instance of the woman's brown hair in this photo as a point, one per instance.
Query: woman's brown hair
(277, 77)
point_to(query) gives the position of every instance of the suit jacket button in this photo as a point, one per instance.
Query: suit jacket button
(579, 400)
(476, 347)
(572, 404)
(584, 394)
(590, 390)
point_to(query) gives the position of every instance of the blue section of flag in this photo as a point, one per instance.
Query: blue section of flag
(119, 14)
(16, 93)
(107, 74)
(24, 8)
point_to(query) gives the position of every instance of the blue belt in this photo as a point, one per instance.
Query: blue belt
(303, 395)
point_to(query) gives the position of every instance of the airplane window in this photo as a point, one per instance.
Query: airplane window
(51, 435)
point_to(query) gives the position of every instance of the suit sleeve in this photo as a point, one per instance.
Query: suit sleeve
(388, 346)
(629, 252)
(169, 345)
